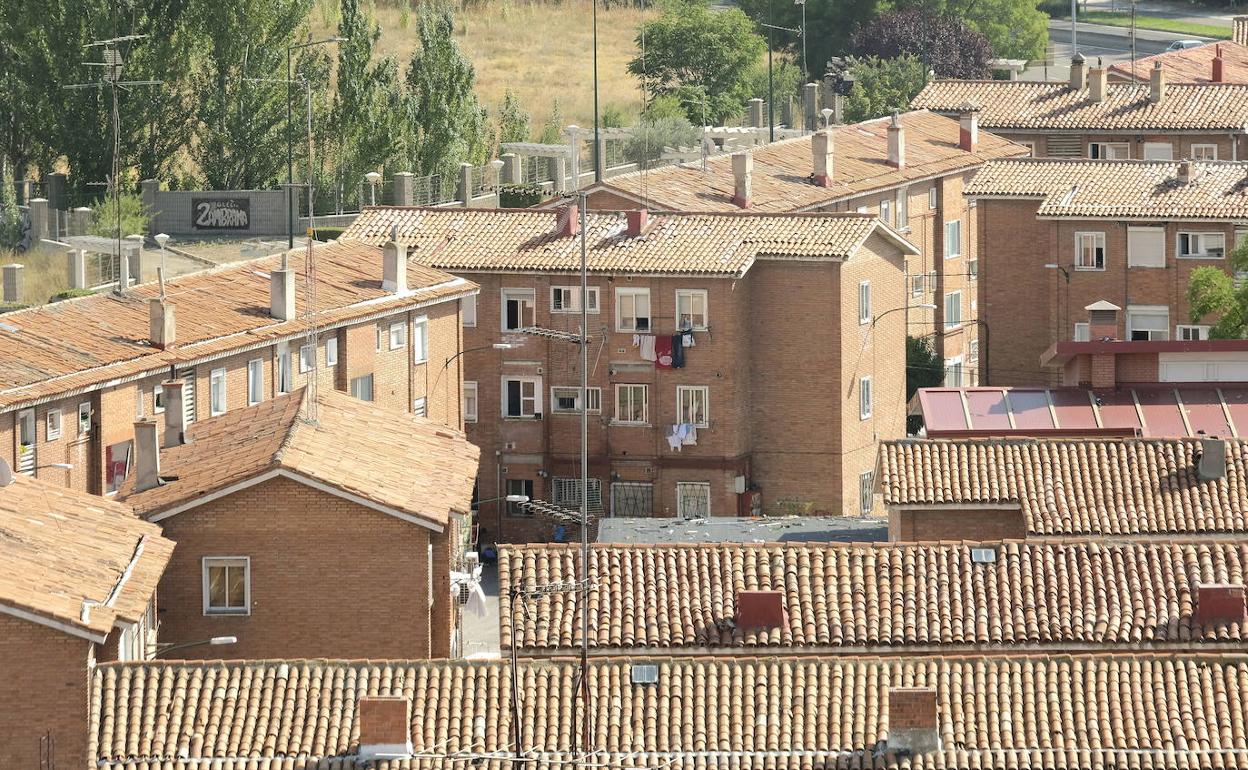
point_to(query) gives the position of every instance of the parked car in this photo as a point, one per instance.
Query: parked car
(1179, 45)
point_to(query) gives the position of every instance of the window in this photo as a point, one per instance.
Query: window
(953, 238)
(931, 197)
(519, 487)
(693, 401)
(470, 402)
(158, 399)
(1202, 245)
(691, 305)
(886, 211)
(972, 269)
(518, 309)
(116, 465)
(1146, 247)
(331, 351)
(255, 381)
(1191, 333)
(866, 492)
(398, 335)
(953, 372)
(420, 341)
(522, 396)
(1109, 150)
(931, 281)
(419, 407)
(54, 424)
(567, 493)
(903, 209)
(916, 284)
(1089, 251)
(1083, 331)
(953, 310)
(864, 398)
(1148, 322)
(972, 352)
(227, 585)
(216, 389)
(632, 498)
(566, 399)
(1031, 147)
(632, 310)
(468, 310)
(362, 387)
(1204, 152)
(864, 302)
(567, 299)
(1158, 151)
(284, 378)
(693, 499)
(307, 359)
(381, 336)
(84, 418)
(631, 403)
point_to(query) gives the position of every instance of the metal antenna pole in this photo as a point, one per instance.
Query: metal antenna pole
(290, 157)
(310, 272)
(598, 162)
(585, 705)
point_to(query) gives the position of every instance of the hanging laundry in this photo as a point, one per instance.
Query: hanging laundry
(678, 352)
(663, 350)
(688, 339)
(636, 340)
(647, 347)
(674, 439)
(691, 435)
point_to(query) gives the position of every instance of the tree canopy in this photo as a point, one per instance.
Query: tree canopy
(942, 43)
(829, 26)
(883, 86)
(1016, 29)
(1212, 291)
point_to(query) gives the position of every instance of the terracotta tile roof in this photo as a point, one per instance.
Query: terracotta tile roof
(1118, 189)
(783, 170)
(499, 240)
(391, 459)
(1006, 713)
(863, 597)
(76, 344)
(1190, 65)
(61, 549)
(1041, 106)
(1126, 487)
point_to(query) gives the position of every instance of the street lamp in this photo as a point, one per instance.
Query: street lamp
(1055, 266)
(216, 641)
(162, 240)
(372, 178)
(290, 147)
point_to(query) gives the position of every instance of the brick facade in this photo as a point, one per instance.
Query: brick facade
(1228, 148)
(954, 523)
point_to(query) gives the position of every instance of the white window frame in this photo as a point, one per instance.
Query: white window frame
(158, 399)
(1202, 332)
(952, 364)
(918, 284)
(372, 387)
(396, 335)
(468, 310)
(972, 352)
(1029, 144)
(956, 224)
(864, 302)
(593, 398)
(505, 400)
(1150, 310)
(1083, 331)
(1202, 147)
(1154, 146)
(420, 407)
(471, 401)
(285, 377)
(864, 398)
(420, 340)
(689, 295)
(694, 392)
(1098, 242)
(244, 562)
(255, 381)
(567, 299)
(622, 387)
(886, 211)
(1109, 150)
(634, 293)
(84, 418)
(903, 209)
(526, 298)
(1198, 236)
(217, 389)
(331, 350)
(54, 423)
(702, 489)
(306, 358)
(1136, 259)
(958, 323)
(931, 197)
(866, 492)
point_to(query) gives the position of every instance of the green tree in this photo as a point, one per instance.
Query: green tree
(702, 56)
(552, 129)
(514, 124)
(829, 26)
(134, 217)
(924, 369)
(446, 124)
(10, 215)
(1212, 291)
(651, 135)
(1017, 29)
(882, 86)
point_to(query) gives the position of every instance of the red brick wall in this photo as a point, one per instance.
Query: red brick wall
(329, 578)
(1182, 144)
(952, 524)
(46, 689)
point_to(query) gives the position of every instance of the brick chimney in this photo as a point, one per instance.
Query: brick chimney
(1218, 75)
(1156, 83)
(638, 221)
(569, 222)
(1078, 72)
(896, 143)
(1097, 78)
(1219, 603)
(913, 727)
(175, 412)
(968, 127)
(385, 727)
(760, 610)
(394, 265)
(1187, 171)
(162, 323)
(282, 292)
(822, 145)
(742, 178)
(1102, 320)
(1240, 33)
(146, 456)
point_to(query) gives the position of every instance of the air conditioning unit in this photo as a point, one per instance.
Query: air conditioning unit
(983, 555)
(471, 560)
(465, 592)
(645, 674)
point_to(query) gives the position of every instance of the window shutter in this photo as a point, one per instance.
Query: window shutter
(1146, 247)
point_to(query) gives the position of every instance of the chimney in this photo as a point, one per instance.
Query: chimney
(742, 178)
(1078, 72)
(1219, 603)
(12, 286)
(569, 222)
(162, 323)
(1217, 76)
(1156, 83)
(912, 720)
(385, 727)
(146, 456)
(1187, 171)
(821, 147)
(1096, 83)
(896, 143)
(760, 610)
(968, 128)
(1211, 464)
(282, 293)
(638, 220)
(1240, 34)
(394, 266)
(1102, 320)
(175, 413)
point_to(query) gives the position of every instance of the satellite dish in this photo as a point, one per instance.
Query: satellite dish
(6, 474)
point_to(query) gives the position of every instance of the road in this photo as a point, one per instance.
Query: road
(1097, 41)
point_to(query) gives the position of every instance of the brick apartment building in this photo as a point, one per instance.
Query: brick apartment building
(305, 525)
(76, 375)
(78, 582)
(1090, 117)
(1058, 236)
(908, 171)
(1224, 62)
(794, 370)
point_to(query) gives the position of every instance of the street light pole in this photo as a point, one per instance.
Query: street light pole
(771, 94)
(290, 146)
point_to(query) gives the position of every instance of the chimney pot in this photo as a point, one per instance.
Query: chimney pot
(146, 456)
(1156, 83)
(282, 293)
(1097, 84)
(968, 128)
(162, 323)
(1187, 171)
(394, 267)
(1078, 72)
(1219, 603)
(1218, 76)
(742, 178)
(175, 412)
(638, 220)
(822, 145)
(569, 223)
(1240, 33)
(385, 727)
(896, 143)
(760, 610)
(913, 726)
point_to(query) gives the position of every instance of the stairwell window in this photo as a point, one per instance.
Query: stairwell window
(1201, 246)
(886, 211)
(227, 585)
(468, 310)
(953, 309)
(216, 391)
(255, 381)
(864, 302)
(331, 351)
(864, 398)
(470, 402)
(398, 335)
(1089, 251)
(284, 376)
(953, 239)
(632, 310)
(931, 197)
(307, 358)
(54, 424)
(903, 209)
(916, 284)
(420, 341)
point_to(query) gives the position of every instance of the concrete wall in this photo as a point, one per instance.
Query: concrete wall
(173, 211)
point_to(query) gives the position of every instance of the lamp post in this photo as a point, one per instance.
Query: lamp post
(373, 178)
(290, 147)
(216, 641)
(162, 240)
